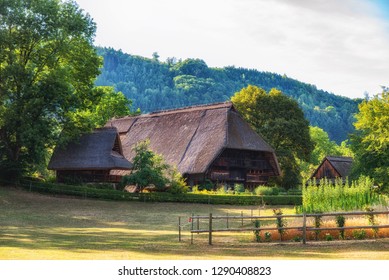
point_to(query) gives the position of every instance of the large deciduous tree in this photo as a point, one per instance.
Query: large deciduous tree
(282, 124)
(370, 142)
(47, 70)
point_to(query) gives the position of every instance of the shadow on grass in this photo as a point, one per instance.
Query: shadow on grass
(166, 245)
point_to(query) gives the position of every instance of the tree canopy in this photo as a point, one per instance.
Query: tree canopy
(370, 142)
(48, 67)
(323, 147)
(281, 122)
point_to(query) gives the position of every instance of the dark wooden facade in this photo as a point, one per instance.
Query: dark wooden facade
(326, 170)
(333, 168)
(78, 176)
(250, 168)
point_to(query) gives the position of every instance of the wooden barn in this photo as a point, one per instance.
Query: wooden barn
(92, 158)
(333, 167)
(204, 142)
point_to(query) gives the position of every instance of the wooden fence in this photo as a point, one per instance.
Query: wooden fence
(194, 223)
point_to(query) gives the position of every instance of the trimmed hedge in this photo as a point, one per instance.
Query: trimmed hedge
(107, 194)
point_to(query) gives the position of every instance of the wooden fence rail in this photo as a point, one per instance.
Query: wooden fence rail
(194, 222)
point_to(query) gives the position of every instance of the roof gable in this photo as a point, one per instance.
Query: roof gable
(97, 150)
(189, 138)
(342, 165)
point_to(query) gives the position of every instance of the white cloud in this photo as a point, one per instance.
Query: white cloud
(341, 46)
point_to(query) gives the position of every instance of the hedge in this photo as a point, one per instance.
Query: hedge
(108, 194)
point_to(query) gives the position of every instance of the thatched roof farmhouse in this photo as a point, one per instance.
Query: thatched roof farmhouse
(90, 158)
(204, 142)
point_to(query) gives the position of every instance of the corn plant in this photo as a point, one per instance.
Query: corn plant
(341, 195)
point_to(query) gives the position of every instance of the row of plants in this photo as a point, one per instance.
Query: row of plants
(90, 191)
(339, 221)
(239, 189)
(326, 196)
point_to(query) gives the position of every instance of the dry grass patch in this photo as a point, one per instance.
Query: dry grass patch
(34, 226)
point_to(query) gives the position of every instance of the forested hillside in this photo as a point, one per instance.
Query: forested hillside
(154, 85)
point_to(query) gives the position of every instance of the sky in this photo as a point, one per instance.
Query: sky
(339, 46)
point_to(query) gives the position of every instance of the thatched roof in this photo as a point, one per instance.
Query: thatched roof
(341, 164)
(99, 150)
(190, 138)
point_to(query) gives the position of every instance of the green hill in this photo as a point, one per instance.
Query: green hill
(154, 85)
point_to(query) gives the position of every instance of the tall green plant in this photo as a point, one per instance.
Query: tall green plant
(318, 222)
(340, 222)
(372, 221)
(281, 222)
(327, 196)
(257, 232)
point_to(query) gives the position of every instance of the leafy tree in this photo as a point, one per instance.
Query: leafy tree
(149, 168)
(281, 122)
(112, 104)
(323, 147)
(193, 67)
(107, 104)
(370, 142)
(47, 68)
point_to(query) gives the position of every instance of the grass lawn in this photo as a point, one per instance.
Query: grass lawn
(35, 226)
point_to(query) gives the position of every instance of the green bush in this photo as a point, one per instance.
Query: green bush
(239, 188)
(267, 236)
(359, 234)
(329, 237)
(263, 190)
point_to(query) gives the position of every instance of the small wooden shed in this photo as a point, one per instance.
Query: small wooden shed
(92, 158)
(333, 167)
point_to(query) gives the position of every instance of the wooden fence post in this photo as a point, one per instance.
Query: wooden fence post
(191, 236)
(241, 214)
(179, 229)
(304, 228)
(210, 229)
(227, 221)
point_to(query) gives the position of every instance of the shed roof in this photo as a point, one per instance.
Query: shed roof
(190, 138)
(341, 164)
(98, 150)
